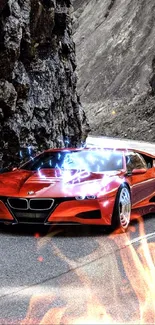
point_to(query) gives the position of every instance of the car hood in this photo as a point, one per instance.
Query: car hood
(57, 183)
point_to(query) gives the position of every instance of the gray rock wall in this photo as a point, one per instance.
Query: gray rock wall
(39, 106)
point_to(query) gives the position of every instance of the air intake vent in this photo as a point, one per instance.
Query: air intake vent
(31, 217)
(41, 204)
(95, 214)
(18, 204)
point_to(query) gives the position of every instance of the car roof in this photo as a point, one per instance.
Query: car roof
(81, 149)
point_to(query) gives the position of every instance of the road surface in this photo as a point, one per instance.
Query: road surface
(126, 143)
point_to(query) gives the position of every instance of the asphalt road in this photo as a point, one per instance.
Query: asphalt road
(77, 274)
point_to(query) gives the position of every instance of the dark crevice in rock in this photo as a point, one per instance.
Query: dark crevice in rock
(3, 5)
(109, 8)
(152, 79)
(64, 3)
(4, 13)
(48, 3)
(60, 20)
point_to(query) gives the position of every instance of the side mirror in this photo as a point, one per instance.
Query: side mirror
(139, 171)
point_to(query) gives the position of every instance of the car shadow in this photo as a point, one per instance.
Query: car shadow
(58, 230)
(65, 230)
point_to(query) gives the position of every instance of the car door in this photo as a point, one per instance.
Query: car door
(143, 184)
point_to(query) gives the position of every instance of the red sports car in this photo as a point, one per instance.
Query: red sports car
(87, 186)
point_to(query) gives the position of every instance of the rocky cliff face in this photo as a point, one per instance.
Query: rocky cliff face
(116, 65)
(39, 106)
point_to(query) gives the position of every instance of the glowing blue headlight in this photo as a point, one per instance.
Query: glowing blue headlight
(80, 197)
(88, 197)
(91, 197)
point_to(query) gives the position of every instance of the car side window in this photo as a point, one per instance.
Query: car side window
(135, 161)
(148, 160)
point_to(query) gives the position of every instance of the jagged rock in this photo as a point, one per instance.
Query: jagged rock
(8, 98)
(39, 106)
(116, 67)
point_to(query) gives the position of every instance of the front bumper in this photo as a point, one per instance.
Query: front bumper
(63, 210)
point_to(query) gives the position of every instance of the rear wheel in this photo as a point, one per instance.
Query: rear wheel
(122, 208)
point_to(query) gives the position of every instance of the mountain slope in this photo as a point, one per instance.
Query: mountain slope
(115, 48)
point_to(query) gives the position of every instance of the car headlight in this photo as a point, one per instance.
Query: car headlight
(91, 197)
(80, 197)
(88, 197)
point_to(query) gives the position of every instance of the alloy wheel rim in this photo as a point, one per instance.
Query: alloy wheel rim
(124, 207)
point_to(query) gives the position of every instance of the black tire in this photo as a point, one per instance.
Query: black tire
(122, 209)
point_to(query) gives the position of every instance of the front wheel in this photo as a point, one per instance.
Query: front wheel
(122, 208)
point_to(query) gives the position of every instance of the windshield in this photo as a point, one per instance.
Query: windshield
(89, 160)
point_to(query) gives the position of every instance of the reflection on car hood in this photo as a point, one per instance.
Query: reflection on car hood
(55, 182)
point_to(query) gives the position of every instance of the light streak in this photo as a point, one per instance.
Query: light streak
(40, 174)
(29, 150)
(141, 238)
